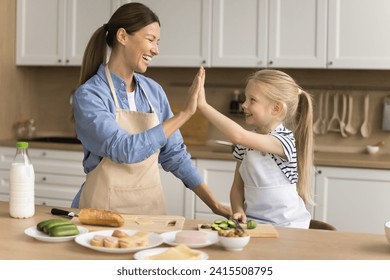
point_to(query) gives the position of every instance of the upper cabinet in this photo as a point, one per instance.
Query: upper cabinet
(56, 32)
(358, 34)
(239, 33)
(185, 32)
(297, 33)
(335, 34)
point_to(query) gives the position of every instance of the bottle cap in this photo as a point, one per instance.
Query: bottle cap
(22, 145)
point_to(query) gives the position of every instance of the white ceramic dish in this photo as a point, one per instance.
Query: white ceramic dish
(170, 236)
(41, 236)
(387, 231)
(151, 252)
(85, 240)
(372, 150)
(234, 243)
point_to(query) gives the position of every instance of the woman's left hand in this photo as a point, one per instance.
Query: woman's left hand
(193, 92)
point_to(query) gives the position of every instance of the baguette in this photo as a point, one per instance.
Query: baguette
(100, 217)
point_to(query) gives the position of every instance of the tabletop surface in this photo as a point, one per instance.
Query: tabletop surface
(292, 244)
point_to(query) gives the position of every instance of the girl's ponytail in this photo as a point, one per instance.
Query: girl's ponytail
(304, 142)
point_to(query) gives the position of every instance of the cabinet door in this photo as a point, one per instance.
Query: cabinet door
(239, 33)
(185, 32)
(84, 17)
(358, 34)
(353, 199)
(218, 175)
(39, 29)
(297, 33)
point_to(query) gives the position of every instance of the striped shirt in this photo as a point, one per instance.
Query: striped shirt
(289, 165)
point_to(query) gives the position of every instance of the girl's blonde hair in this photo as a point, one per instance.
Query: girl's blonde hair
(298, 117)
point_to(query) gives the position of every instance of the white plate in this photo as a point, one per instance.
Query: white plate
(151, 252)
(85, 240)
(170, 236)
(39, 235)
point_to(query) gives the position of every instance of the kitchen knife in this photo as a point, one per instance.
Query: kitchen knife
(238, 226)
(60, 212)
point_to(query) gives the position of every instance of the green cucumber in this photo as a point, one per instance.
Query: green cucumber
(231, 224)
(64, 230)
(42, 224)
(51, 224)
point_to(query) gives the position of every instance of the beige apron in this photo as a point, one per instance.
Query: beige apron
(133, 188)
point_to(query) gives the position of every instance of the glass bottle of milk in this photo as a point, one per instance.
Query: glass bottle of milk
(21, 184)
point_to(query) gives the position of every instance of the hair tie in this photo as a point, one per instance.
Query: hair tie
(105, 27)
(299, 91)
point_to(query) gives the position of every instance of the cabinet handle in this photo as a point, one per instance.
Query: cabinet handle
(59, 61)
(44, 179)
(44, 203)
(67, 61)
(330, 63)
(319, 171)
(271, 62)
(203, 62)
(43, 154)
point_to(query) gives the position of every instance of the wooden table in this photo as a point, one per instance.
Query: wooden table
(292, 244)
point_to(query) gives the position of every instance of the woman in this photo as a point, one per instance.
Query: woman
(275, 160)
(125, 124)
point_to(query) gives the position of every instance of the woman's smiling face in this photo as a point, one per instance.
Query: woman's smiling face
(142, 46)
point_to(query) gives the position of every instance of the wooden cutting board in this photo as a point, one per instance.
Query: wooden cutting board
(261, 230)
(149, 223)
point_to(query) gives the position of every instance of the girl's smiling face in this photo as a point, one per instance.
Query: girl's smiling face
(258, 109)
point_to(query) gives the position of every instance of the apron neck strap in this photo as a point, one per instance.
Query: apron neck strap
(113, 92)
(112, 88)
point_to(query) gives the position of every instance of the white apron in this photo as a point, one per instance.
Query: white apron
(133, 188)
(269, 195)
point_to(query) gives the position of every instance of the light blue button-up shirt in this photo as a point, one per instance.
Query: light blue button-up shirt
(101, 136)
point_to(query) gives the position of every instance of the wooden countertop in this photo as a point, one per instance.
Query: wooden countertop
(336, 159)
(292, 244)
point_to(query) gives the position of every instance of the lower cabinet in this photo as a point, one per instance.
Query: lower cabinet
(353, 199)
(58, 175)
(218, 175)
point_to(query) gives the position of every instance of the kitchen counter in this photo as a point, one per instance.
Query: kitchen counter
(322, 158)
(292, 244)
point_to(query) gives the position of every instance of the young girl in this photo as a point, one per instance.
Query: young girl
(273, 172)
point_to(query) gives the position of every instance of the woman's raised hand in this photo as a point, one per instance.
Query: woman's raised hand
(193, 91)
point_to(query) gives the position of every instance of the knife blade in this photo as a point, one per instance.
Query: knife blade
(60, 212)
(238, 226)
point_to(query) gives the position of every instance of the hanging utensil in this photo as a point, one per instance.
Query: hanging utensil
(324, 122)
(365, 129)
(334, 123)
(343, 115)
(317, 126)
(349, 127)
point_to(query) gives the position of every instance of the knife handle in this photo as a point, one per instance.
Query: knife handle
(60, 212)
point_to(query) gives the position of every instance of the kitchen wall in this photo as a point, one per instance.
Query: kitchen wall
(43, 93)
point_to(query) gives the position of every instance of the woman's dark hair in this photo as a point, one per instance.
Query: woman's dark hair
(132, 17)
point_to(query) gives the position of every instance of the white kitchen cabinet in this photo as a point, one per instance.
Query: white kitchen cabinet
(56, 32)
(218, 176)
(58, 175)
(358, 34)
(175, 194)
(239, 33)
(297, 33)
(353, 199)
(185, 32)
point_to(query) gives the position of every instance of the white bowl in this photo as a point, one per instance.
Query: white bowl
(387, 231)
(234, 243)
(372, 149)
